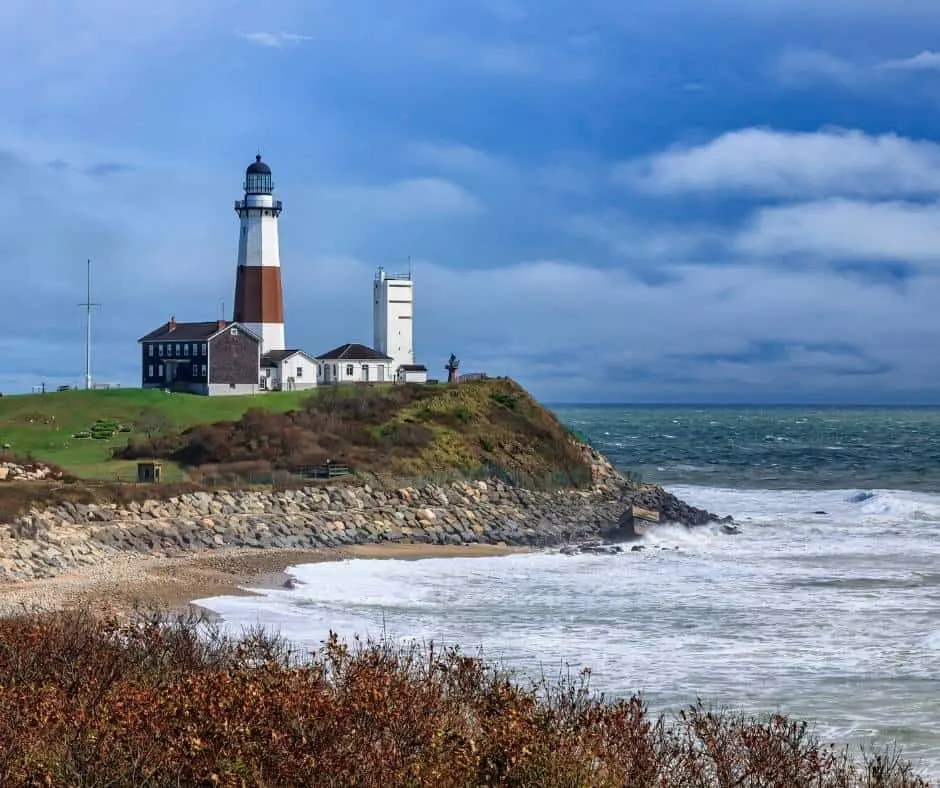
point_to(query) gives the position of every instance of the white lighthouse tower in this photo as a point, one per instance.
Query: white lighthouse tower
(259, 300)
(393, 317)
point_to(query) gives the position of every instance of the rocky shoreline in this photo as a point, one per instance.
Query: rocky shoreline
(50, 542)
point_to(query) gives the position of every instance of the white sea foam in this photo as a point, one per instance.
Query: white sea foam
(825, 606)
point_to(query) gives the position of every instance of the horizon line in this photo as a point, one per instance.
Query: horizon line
(616, 404)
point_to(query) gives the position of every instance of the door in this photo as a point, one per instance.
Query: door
(365, 372)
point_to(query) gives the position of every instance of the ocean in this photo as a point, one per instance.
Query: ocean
(826, 606)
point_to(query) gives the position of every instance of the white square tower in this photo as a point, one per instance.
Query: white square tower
(393, 317)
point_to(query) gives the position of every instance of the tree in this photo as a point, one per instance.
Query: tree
(152, 422)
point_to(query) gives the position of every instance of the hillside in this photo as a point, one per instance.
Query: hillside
(474, 427)
(45, 425)
(481, 427)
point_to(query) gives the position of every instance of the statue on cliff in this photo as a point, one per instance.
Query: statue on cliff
(451, 366)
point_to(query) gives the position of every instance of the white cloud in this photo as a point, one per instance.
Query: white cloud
(923, 61)
(645, 242)
(841, 229)
(274, 40)
(675, 328)
(408, 199)
(792, 164)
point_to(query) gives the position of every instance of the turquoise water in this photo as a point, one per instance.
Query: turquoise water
(769, 448)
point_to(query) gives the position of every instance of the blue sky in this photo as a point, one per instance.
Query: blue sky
(671, 201)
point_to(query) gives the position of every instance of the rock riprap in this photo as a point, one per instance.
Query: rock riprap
(47, 542)
(27, 472)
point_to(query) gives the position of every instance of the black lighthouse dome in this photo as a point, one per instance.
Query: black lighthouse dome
(258, 178)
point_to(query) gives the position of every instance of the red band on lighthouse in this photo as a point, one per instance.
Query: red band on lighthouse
(259, 300)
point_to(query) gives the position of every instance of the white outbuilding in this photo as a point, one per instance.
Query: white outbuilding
(354, 363)
(288, 370)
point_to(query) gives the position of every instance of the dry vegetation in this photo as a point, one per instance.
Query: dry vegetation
(399, 433)
(413, 430)
(94, 703)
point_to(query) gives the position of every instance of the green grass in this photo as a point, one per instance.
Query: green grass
(43, 425)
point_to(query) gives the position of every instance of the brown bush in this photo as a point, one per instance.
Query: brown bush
(87, 702)
(387, 430)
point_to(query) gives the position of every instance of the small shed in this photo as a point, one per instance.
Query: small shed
(149, 472)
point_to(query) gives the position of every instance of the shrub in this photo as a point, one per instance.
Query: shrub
(400, 430)
(506, 400)
(90, 702)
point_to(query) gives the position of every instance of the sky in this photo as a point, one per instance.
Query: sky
(662, 201)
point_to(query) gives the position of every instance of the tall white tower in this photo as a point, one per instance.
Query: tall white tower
(259, 301)
(393, 317)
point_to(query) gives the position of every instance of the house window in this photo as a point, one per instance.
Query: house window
(300, 372)
(334, 370)
(203, 370)
(234, 331)
(186, 349)
(150, 350)
(195, 370)
(349, 370)
(150, 371)
(205, 349)
(160, 371)
(160, 349)
(178, 352)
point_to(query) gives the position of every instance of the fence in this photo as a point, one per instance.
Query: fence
(329, 471)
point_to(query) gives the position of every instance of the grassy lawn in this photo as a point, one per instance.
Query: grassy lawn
(44, 424)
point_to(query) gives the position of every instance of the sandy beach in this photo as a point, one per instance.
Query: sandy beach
(126, 582)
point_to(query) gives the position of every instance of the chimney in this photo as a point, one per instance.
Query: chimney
(222, 324)
(171, 326)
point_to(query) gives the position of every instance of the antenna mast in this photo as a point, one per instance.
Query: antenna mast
(88, 304)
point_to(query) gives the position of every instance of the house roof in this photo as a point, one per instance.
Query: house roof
(353, 352)
(191, 332)
(414, 367)
(274, 357)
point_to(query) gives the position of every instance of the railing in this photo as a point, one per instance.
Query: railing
(331, 471)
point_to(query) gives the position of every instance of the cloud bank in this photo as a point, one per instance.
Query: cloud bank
(577, 216)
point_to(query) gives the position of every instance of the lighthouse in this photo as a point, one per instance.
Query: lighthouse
(259, 300)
